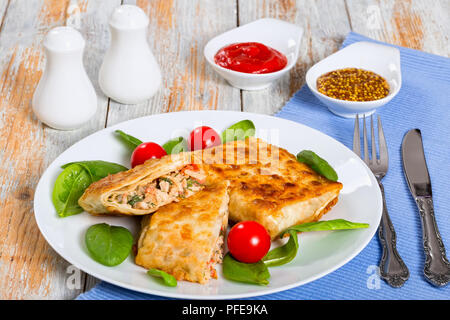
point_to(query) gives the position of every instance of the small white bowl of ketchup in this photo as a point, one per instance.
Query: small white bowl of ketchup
(254, 55)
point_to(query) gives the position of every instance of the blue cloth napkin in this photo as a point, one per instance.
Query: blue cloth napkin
(423, 102)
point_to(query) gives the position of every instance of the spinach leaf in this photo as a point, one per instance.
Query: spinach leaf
(338, 224)
(130, 141)
(255, 273)
(238, 131)
(98, 169)
(319, 165)
(167, 279)
(176, 145)
(287, 252)
(74, 180)
(69, 186)
(283, 254)
(108, 245)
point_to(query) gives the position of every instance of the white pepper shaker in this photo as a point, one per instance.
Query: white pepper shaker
(129, 73)
(64, 98)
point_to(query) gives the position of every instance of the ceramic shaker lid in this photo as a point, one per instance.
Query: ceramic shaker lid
(64, 39)
(128, 17)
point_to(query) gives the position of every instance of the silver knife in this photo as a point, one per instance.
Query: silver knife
(437, 267)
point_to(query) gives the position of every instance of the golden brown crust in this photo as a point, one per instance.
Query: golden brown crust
(268, 184)
(274, 177)
(180, 237)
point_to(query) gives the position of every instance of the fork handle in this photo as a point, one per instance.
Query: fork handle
(392, 268)
(437, 267)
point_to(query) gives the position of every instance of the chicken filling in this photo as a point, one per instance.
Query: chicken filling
(217, 255)
(166, 189)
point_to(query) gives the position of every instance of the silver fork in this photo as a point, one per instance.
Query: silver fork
(392, 268)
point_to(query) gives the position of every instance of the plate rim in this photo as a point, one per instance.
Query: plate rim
(168, 294)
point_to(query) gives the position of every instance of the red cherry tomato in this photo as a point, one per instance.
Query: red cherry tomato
(204, 137)
(248, 241)
(145, 151)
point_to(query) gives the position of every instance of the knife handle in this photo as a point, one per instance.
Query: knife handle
(392, 268)
(437, 267)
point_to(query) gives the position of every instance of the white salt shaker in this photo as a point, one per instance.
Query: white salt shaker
(129, 73)
(64, 98)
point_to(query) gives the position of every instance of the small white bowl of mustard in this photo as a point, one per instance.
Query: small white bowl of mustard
(357, 79)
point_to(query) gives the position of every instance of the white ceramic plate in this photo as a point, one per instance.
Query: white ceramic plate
(320, 252)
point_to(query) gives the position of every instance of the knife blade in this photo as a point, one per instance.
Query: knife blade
(415, 165)
(437, 267)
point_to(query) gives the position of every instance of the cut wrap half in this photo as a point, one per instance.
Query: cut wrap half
(145, 188)
(185, 239)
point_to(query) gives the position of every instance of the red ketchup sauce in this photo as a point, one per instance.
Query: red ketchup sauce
(250, 57)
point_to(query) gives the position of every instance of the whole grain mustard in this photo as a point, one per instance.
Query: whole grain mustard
(353, 84)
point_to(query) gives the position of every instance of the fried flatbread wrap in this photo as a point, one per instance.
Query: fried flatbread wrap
(145, 188)
(269, 185)
(185, 239)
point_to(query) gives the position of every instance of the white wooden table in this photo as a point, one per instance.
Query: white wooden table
(178, 31)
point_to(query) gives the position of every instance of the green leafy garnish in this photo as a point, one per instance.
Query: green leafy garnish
(69, 187)
(283, 254)
(319, 165)
(287, 252)
(238, 131)
(254, 273)
(134, 200)
(166, 278)
(130, 141)
(337, 224)
(98, 169)
(108, 245)
(74, 180)
(176, 145)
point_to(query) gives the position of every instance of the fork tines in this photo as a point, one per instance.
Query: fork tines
(375, 164)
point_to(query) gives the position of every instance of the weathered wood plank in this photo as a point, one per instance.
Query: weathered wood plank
(3, 7)
(177, 34)
(325, 25)
(417, 24)
(29, 268)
